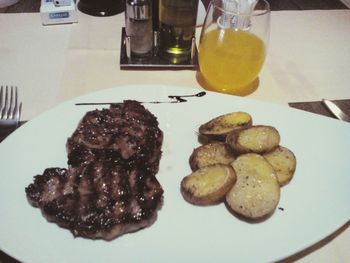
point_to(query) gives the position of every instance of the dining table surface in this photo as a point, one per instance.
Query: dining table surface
(308, 59)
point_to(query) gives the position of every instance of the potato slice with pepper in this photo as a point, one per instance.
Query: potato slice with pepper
(219, 127)
(256, 139)
(284, 162)
(208, 185)
(256, 192)
(212, 153)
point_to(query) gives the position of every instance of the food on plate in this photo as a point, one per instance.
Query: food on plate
(208, 185)
(110, 187)
(256, 192)
(257, 139)
(284, 163)
(220, 126)
(260, 166)
(211, 153)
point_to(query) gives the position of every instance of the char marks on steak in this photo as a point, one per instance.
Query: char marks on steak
(110, 186)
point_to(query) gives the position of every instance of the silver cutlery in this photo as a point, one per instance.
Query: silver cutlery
(335, 110)
(10, 107)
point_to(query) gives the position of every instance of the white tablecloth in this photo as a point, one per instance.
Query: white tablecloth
(308, 59)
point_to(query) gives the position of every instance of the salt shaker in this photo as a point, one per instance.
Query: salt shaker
(138, 27)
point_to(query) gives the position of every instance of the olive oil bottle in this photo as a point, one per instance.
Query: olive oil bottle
(177, 23)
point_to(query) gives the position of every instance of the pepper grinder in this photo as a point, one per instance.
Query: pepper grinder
(138, 28)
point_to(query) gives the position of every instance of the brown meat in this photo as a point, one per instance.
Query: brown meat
(110, 186)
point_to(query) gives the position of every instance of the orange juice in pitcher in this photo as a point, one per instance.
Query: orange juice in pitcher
(230, 59)
(233, 46)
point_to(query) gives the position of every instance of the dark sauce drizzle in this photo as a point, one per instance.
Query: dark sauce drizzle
(174, 99)
(179, 99)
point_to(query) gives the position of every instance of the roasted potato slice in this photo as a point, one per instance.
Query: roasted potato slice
(208, 185)
(212, 153)
(256, 139)
(284, 162)
(219, 127)
(256, 192)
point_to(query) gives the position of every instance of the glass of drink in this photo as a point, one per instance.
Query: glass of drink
(101, 7)
(233, 46)
(177, 24)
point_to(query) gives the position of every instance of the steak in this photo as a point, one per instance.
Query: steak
(109, 187)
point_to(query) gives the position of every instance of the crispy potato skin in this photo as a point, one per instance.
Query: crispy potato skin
(217, 128)
(284, 163)
(212, 153)
(208, 185)
(256, 192)
(255, 139)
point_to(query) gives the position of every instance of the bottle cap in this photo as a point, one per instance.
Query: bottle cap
(138, 10)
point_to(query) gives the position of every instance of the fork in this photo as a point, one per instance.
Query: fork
(10, 109)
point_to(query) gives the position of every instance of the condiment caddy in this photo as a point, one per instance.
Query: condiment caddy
(153, 39)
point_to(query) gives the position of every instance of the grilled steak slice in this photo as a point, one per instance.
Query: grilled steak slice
(110, 186)
(126, 128)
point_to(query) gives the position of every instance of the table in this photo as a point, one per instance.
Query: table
(34, 5)
(308, 59)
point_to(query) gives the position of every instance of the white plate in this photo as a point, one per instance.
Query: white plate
(314, 204)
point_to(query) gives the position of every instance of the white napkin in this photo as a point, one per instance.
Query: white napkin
(245, 7)
(200, 13)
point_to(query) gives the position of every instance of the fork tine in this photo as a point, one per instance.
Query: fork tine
(11, 104)
(7, 102)
(19, 111)
(14, 111)
(6, 105)
(13, 101)
(1, 104)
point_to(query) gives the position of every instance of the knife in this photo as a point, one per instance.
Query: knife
(336, 111)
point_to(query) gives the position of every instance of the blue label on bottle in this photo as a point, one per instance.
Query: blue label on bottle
(48, 1)
(58, 15)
